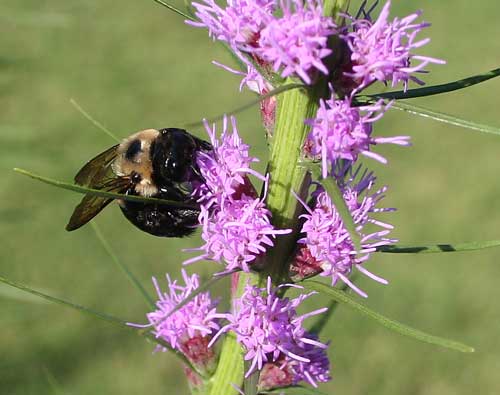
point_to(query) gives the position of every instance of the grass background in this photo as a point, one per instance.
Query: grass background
(135, 65)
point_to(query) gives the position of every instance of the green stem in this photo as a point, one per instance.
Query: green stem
(230, 369)
(287, 175)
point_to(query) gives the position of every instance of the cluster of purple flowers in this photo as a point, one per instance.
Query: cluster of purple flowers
(341, 131)
(331, 251)
(272, 334)
(236, 225)
(296, 42)
(266, 325)
(382, 50)
(189, 329)
(275, 40)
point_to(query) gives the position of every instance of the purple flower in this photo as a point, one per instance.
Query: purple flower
(328, 240)
(287, 371)
(238, 24)
(237, 233)
(296, 43)
(383, 50)
(341, 131)
(254, 81)
(190, 328)
(236, 224)
(252, 78)
(270, 331)
(293, 44)
(225, 169)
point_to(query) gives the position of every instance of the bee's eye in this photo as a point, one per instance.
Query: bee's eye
(135, 177)
(133, 149)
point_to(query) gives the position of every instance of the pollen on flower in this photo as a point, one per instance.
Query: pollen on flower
(342, 131)
(382, 50)
(328, 240)
(271, 332)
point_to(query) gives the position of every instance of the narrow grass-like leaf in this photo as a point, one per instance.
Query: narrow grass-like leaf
(86, 310)
(94, 121)
(435, 89)
(338, 201)
(97, 314)
(342, 297)
(437, 248)
(445, 118)
(8, 292)
(250, 104)
(295, 390)
(323, 319)
(98, 192)
(174, 9)
(130, 276)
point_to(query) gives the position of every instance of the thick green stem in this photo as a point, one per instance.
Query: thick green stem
(230, 369)
(286, 175)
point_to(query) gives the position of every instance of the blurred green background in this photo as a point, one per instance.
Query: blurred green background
(135, 65)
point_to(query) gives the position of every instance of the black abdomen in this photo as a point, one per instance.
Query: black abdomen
(161, 220)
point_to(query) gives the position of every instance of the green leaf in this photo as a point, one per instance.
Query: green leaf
(295, 390)
(274, 92)
(135, 282)
(97, 314)
(323, 319)
(174, 9)
(435, 89)
(445, 118)
(229, 370)
(94, 121)
(338, 201)
(339, 296)
(98, 192)
(436, 248)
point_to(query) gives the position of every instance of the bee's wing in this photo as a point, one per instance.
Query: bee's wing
(96, 174)
(92, 205)
(97, 169)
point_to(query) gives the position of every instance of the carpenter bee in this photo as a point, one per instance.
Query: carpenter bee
(151, 163)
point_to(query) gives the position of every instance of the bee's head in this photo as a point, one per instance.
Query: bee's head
(133, 161)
